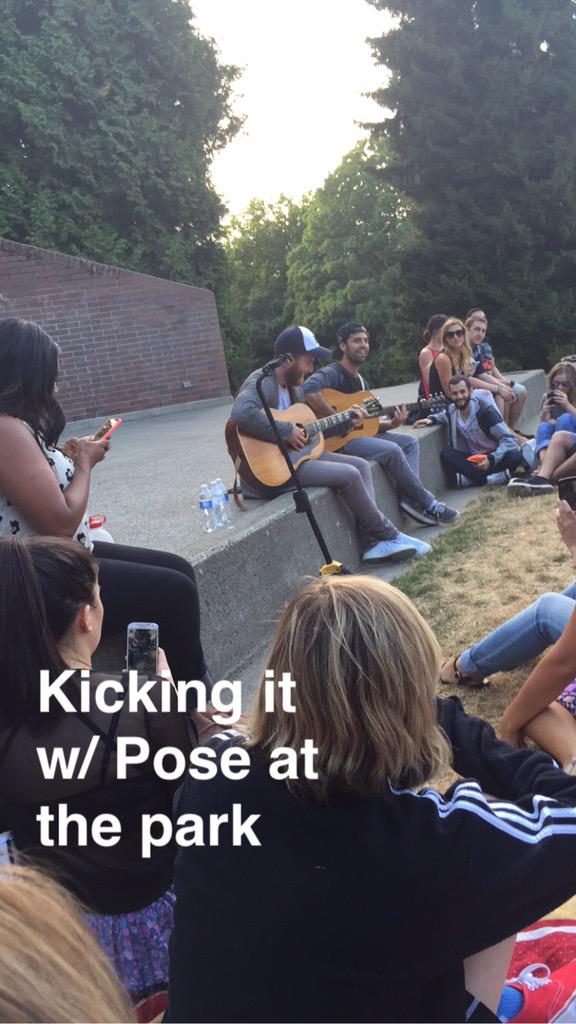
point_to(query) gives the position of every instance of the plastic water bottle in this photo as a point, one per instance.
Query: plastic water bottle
(96, 524)
(206, 506)
(220, 499)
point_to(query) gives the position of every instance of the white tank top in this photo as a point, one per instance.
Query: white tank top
(13, 523)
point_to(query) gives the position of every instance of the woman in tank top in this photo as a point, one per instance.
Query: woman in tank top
(432, 348)
(44, 489)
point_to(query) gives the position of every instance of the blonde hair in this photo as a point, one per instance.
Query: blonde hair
(51, 966)
(366, 666)
(569, 371)
(475, 319)
(462, 360)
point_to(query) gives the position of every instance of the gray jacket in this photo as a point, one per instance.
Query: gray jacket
(247, 412)
(489, 421)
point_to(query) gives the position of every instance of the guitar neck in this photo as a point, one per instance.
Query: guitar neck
(388, 411)
(319, 426)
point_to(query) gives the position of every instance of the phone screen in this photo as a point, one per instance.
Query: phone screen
(142, 647)
(567, 491)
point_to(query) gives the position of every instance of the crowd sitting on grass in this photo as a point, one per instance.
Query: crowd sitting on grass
(367, 822)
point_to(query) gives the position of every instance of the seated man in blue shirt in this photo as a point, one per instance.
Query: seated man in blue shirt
(398, 454)
(477, 428)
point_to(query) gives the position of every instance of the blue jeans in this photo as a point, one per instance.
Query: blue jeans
(522, 637)
(544, 431)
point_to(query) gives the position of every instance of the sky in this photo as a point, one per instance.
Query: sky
(306, 64)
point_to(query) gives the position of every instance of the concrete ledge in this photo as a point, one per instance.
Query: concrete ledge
(246, 575)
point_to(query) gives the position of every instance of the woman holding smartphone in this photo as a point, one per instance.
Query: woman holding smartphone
(51, 618)
(558, 411)
(44, 490)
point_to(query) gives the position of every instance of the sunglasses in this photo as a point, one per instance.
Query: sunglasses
(455, 334)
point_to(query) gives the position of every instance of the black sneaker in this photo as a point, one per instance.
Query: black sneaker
(437, 515)
(527, 487)
(539, 484)
(520, 487)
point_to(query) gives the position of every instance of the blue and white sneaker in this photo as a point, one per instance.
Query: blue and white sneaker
(396, 550)
(421, 547)
(498, 479)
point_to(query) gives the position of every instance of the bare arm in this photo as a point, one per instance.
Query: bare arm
(546, 682)
(487, 382)
(318, 404)
(557, 668)
(28, 482)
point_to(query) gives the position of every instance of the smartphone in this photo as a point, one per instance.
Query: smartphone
(142, 647)
(567, 491)
(475, 458)
(103, 432)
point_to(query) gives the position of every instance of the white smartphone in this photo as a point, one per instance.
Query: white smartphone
(142, 647)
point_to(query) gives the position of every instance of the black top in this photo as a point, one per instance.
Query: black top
(114, 879)
(336, 377)
(364, 909)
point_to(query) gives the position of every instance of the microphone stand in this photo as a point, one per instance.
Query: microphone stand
(300, 495)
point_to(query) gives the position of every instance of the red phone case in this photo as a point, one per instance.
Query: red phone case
(115, 425)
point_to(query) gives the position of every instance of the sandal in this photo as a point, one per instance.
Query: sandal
(461, 678)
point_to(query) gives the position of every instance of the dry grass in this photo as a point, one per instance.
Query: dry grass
(503, 554)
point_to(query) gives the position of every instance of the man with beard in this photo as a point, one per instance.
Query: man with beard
(379, 538)
(398, 454)
(477, 428)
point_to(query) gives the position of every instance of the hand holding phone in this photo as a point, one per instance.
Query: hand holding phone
(142, 647)
(107, 428)
(567, 491)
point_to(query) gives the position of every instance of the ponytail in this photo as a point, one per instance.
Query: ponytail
(43, 584)
(434, 324)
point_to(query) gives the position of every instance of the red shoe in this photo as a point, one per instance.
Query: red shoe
(548, 996)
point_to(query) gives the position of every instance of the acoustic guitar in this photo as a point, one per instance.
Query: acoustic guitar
(374, 410)
(260, 462)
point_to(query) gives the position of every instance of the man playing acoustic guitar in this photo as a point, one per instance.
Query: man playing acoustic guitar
(398, 455)
(351, 476)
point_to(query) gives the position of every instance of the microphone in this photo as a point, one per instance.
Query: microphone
(269, 368)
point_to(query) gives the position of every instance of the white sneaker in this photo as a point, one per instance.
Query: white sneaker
(422, 548)
(463, 481)
(391, 550)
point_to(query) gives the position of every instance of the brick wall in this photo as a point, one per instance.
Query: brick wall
(129, 341)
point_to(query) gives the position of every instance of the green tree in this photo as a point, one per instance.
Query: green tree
(253, 300)
(345, 267)
(110, 113)
(482, 105)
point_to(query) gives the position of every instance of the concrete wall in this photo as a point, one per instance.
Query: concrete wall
(129, 341)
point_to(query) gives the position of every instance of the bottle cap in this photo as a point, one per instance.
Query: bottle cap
(97, 520)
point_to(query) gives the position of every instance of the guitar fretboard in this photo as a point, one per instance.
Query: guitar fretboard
(327, 423)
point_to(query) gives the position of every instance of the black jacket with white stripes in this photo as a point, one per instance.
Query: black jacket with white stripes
(363, 910)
